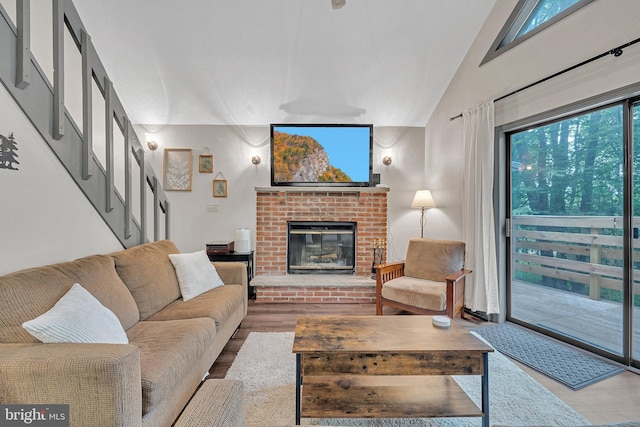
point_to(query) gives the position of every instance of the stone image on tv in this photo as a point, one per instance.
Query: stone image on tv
(303, 159)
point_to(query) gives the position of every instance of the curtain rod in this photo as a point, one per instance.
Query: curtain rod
(615, 52)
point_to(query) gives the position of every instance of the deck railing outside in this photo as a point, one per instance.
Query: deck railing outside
(580, 254)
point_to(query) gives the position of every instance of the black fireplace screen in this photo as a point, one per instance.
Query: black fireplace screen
(321, 247)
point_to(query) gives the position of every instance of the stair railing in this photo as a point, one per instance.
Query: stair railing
(125, 190)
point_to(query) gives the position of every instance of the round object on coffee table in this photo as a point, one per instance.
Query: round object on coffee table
(441, 321)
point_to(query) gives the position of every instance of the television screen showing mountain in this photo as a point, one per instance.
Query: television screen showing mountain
(321, 154)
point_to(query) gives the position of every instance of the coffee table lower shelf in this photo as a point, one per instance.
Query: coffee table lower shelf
(362, 396)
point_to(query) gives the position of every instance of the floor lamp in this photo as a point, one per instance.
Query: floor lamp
(423, 200)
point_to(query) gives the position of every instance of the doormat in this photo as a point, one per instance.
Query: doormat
(567, 365)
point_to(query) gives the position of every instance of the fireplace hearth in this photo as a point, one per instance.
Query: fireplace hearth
(321, 247)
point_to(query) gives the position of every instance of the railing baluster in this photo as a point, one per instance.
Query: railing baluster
(58, 69)
(167, 235)
(127, 177)
(87, 107)
(156, 209)
(108, 121)
(143, 194)
(595, 252)
(23, 47)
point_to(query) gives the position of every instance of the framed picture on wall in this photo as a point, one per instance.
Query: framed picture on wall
(205, 163)
(177, 169)
(219, 188)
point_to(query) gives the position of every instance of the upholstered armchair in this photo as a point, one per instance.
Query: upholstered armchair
(429, 281)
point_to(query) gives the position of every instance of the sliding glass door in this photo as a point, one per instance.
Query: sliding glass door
(570, 250)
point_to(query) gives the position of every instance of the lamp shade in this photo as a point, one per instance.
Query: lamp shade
(423, 199)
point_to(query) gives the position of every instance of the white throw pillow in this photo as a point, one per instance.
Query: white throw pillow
(78, 317)
(196, 274)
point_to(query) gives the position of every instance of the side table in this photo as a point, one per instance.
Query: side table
(246, 257)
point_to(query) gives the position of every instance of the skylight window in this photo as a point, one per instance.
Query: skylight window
(544, 11)
(528, 18)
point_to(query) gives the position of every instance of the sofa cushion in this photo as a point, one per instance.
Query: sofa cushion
(216, 304)
(148, 273)
(168, 353)
(195, 274)
(25, 295)
(77, 317)
(422, 293)
(433, 259)
(97, 274)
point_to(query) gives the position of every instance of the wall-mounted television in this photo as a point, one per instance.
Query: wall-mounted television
(321, 155)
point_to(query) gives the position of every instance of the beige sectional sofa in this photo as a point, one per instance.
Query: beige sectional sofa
(147, 382)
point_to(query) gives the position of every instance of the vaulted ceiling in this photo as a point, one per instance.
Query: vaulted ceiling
(255, 62)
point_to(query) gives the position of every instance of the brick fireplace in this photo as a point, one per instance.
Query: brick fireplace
(276, 207)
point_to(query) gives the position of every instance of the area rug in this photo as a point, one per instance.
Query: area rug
(266, 366)
(572, 367)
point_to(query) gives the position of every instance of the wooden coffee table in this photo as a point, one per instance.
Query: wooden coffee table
(386, 367)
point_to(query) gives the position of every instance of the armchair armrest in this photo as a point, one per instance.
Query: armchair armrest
(384, 273)
(388, 271)
(455, 292)
(456, 276)
(99, 382)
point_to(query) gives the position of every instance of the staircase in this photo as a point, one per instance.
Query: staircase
(109, 165)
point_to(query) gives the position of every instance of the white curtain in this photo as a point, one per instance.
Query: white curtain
(478, 228)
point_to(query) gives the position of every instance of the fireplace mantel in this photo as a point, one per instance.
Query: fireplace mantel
(297, 189)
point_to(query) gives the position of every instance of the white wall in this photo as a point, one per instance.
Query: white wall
(404, 176)
(44, 216)
(233, 146)
(594, 29)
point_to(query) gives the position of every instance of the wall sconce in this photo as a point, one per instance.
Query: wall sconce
(423, 200)
(153, 146)
(386, 160)
(256, 159)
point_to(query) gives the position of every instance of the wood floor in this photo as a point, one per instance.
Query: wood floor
(609, 401)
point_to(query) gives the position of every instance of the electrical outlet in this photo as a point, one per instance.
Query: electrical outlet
(212, 207)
